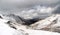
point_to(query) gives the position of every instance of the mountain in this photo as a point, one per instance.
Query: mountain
(12, 27)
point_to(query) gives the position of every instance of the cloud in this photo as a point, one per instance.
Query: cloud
(15, 6)
(57, 10)
(29, 3)
(36, 12)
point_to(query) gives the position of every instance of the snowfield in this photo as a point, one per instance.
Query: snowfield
(5, 29)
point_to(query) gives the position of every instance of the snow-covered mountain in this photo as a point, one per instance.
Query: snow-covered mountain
(5, 29)
(9, 25)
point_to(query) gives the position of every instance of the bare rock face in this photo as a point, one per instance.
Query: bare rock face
(30, 21)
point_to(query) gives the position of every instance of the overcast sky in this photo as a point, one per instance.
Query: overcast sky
(29, 3)
(15, 6)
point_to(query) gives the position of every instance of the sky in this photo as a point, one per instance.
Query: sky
(28, 3)
(30, 7)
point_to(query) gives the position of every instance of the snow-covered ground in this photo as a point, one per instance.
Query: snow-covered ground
(40, 32)
(5, 29)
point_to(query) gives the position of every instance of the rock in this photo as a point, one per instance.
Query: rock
(30, 21)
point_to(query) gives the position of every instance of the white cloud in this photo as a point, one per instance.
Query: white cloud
(38, 11)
